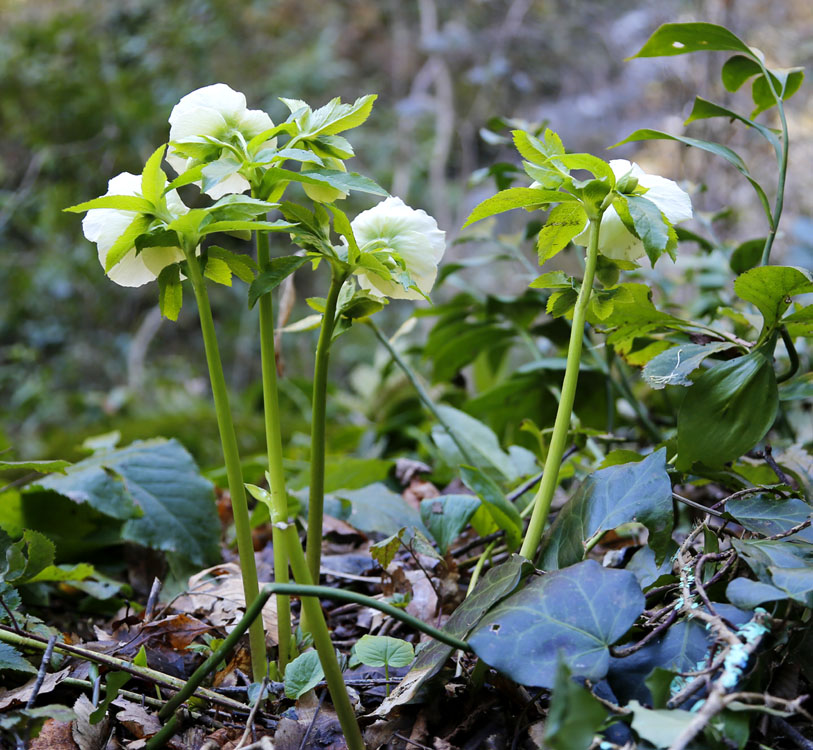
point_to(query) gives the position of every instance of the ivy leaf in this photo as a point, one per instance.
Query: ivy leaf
(607, 499)
(766, 514)
(770, 288)
(573, 614)
(383, 651)
(727, 411)
(446, 516)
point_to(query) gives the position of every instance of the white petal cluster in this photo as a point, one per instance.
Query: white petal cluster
(216, 111)
(412, 234)
(105, 225)
(615, 240)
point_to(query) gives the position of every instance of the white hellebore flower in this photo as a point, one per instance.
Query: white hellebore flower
(216, 111)
(105, 225)
(411, 233)
(615, 240)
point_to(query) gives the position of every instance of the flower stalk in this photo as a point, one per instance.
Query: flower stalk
(273, 440)
(316, 490)
(231, 456)
(544, 495)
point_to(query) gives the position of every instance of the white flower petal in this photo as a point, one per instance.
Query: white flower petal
(230, 104)
(233, 184)
(253, 122)
(616, 241)
(197, 121)
(668, 197)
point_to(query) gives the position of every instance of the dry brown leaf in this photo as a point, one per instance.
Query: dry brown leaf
(419, 489)
(217, 595)
(20, 695)
(86, 735)
(139, 722)
(424, 602)
(55, 735)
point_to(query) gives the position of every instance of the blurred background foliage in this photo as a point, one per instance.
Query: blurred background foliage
(87, 87)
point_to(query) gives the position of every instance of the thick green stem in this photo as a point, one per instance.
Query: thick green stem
(316, 490)
(550, 478)
(423, 394)
(231, 456)
(273, 441)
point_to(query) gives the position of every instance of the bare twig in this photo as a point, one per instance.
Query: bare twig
(152, 600)
(253, 714)
(303, 744)
(46, 660)
(626, 651)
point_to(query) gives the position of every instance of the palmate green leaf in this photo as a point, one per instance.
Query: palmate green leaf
(273, 275)
(574, 615)
(170, 291)
(119, 202)
(674, 366)
(704, 110)
(334, 117)
(239, 207)
(446, 516)
(383, 651)
(156, 489)
(732, 157)
(608, 498)
(727, 411)
(770, 288)
(574, 714)
(680, 38)
(564, 222)
(511, 198)
(537, 151)
(153, 178)
(496, 584)
(43, 467)
(303, 674)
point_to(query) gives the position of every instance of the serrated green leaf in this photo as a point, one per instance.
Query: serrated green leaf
(119, 202)
(564, 222)
(727, 411)
(609, 498)
(303, 674)
(770, 288)
(682, 38)
(347, 116)
(11, 659)
(42, 467)
(579, 612)
(153, 178)
(505, 200)
(562, 302)
(273, 275)
(384, 552)
(552, 280)
(383, 650)
(126, 241)
(598, 167)
(170, 291)
(218, 271)
(243, 267)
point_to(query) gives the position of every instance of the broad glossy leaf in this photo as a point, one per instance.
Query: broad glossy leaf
(607, 499)
(659, 727)
(732, 157)
(383, 650)
(769, 289)
(504, 513)
(763, 554)
(796, 582)
(496, 584)
(674, 366)
(766, 514)
(574, 714)
(157, 489)
(446, 516)
(482, 445)
(727, 411)
(564, 222)
(746, 255)
(681, 38)
(511, 198)
(273, 275)
(574, 614)
(737, 70)
(377, 509)
(302, 674)
(748, 594)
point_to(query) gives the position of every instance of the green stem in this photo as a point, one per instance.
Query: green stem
(783, 170)
(231, 455)
(793, 356)
(544, 494)
(423, 394)
(478, 569)
(316, 490)
(273, 442)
